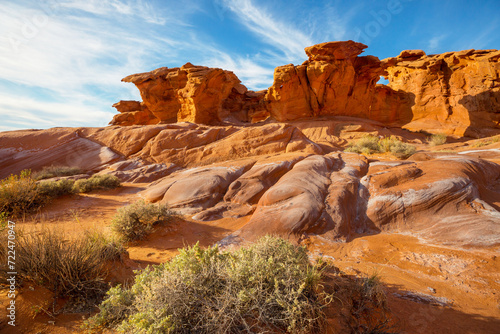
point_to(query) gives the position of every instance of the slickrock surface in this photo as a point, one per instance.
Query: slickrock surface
(285, 182)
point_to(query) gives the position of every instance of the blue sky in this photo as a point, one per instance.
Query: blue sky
(61, 61)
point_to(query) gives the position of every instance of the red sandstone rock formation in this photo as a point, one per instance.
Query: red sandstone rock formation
(190, 93)
(334, 81)
(454, 93)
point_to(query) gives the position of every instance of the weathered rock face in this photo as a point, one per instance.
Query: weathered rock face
(334, 81)
(190, 93)
(454, 93)
(182, 144)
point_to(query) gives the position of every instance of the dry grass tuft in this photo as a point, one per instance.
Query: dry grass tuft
(70, 268)
(96, 182)
(371, 144)
(53, 171)
(437, 139)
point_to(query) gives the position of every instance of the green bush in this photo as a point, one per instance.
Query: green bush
(437, 139)
(96, 182)
(269, 286)
(366, 145)
(370, 144)
(136, 220)
(52, 189)
(52, 171)
(71, 268)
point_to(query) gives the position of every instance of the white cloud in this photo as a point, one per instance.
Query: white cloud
(435, 43)
(274, 32)
(253, 75)
(63, 60)
(77, 60)
(138, 8)
(24, 112)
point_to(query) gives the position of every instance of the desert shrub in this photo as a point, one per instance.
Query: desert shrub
(268, 286)
(366, 145)
(402, 150)
(96, 182)
(365, 305)
(437, 139)
(48, 172)
(52, 189)
(135, 221)
(386, 144)
(70, 268)
(371, 144)
(19, 194)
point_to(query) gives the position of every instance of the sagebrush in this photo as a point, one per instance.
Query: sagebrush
(267, 287)
(136, 220)
(437, 139)
(19, 194)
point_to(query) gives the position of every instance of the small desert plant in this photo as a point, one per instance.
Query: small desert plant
(366, 145)
(267, 287)
(19, 194)
(371, 144)
(52, 189)
(48, 172)
(402, 150)
(437, 139)
(134, 221)
(70, 268)
(96, 182)
(487, 141)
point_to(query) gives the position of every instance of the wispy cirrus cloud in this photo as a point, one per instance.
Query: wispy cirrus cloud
(72, 61)
(278, 33)
(435, 43)
(70, 56)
